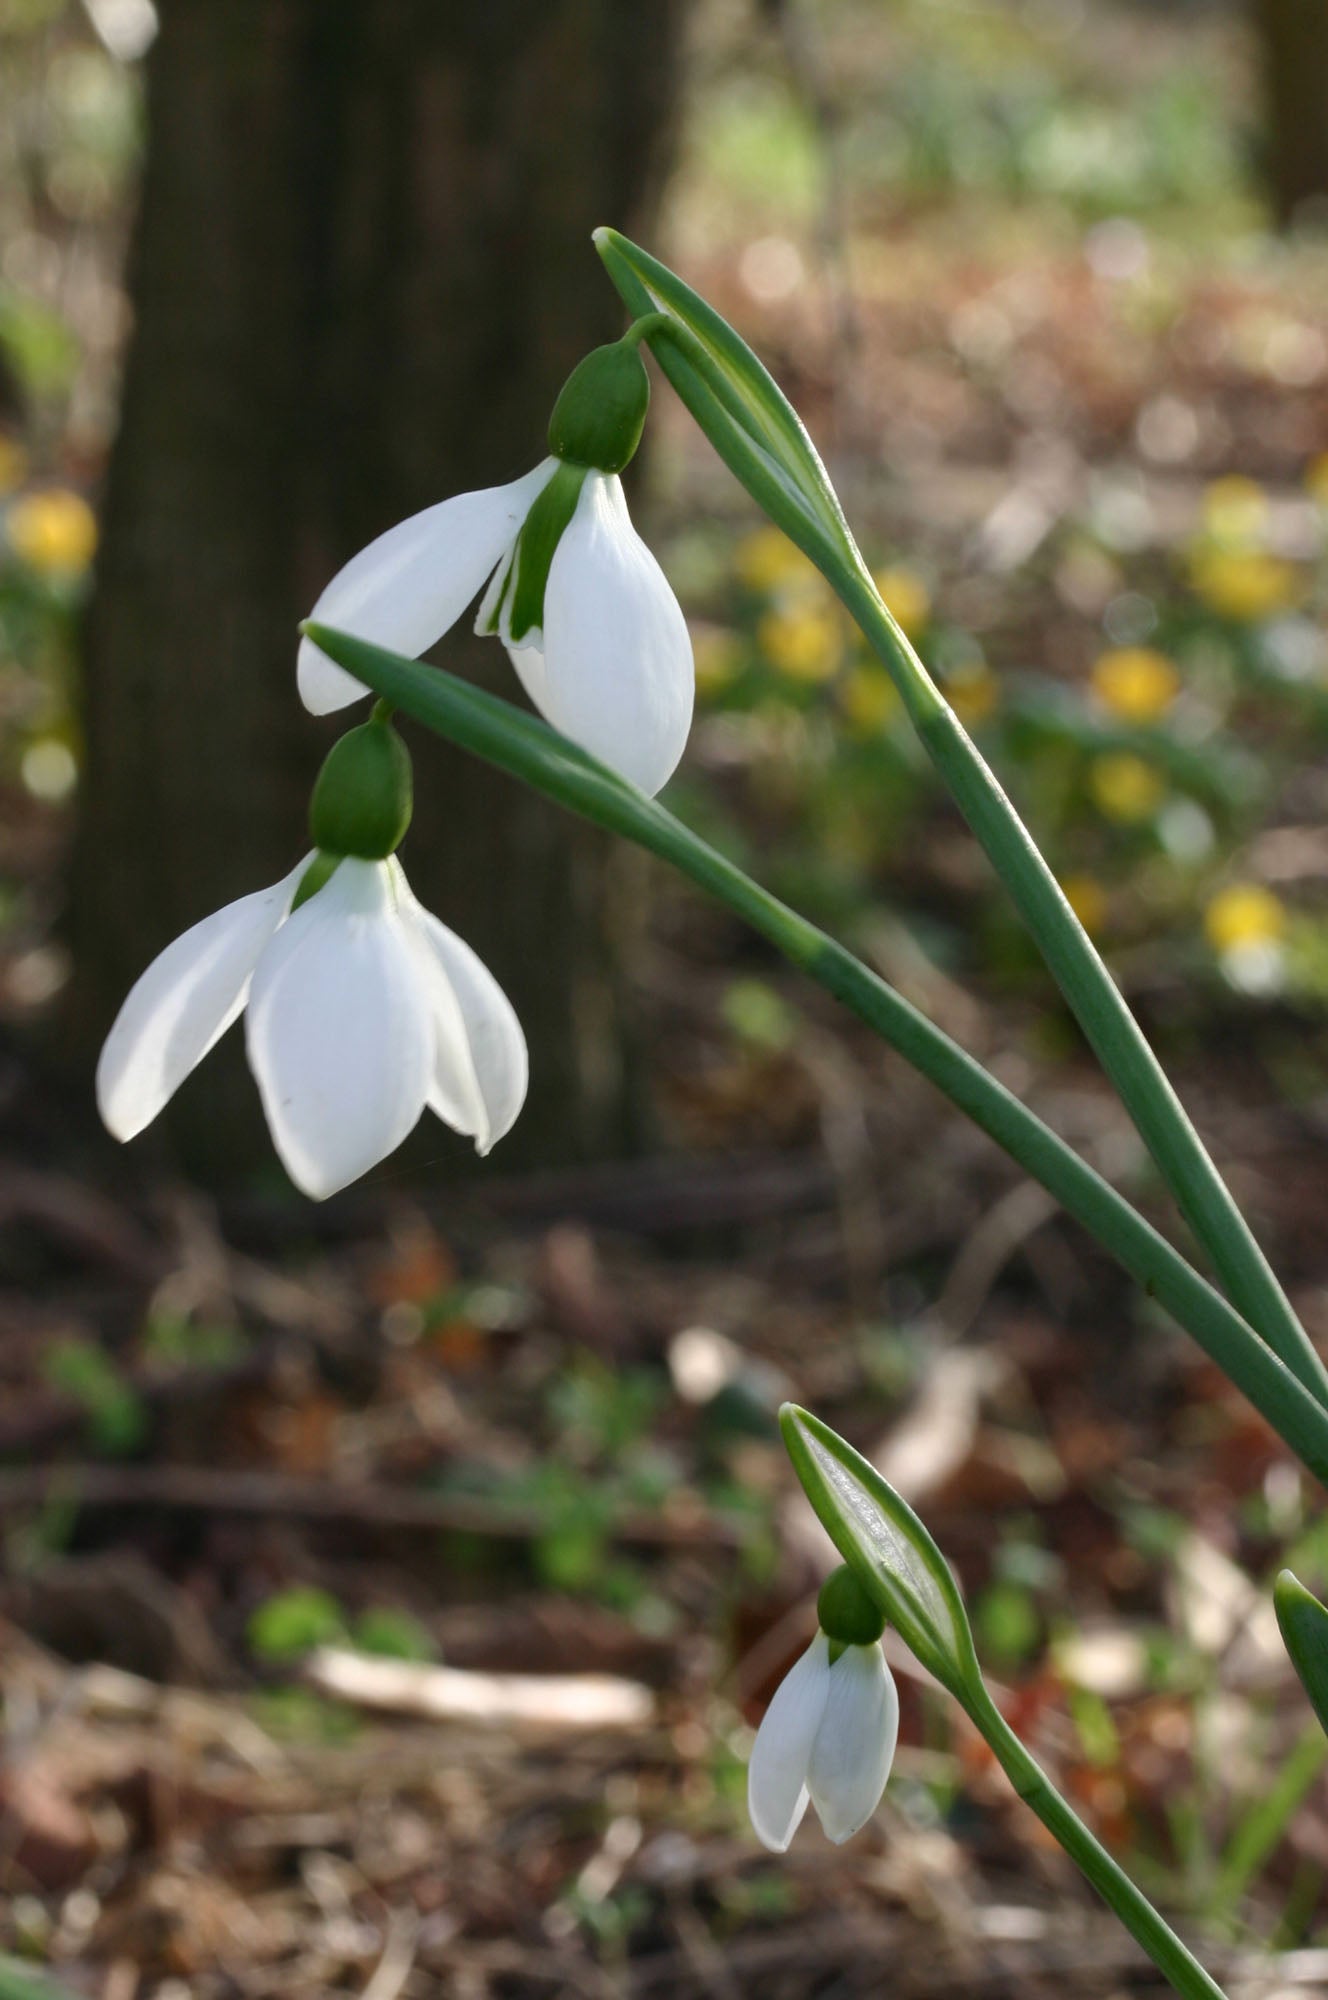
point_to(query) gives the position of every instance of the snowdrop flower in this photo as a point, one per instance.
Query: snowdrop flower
(360, 1007)
(829, 1734)
(585, 611)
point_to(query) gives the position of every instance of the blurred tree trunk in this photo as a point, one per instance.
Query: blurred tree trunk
(362, 269)
(1293, 37)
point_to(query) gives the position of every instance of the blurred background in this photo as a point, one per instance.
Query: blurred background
(285, 1491)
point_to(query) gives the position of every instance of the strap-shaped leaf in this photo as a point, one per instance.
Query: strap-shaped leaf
(735, 401)
(877, 1531)
(1304, 1623)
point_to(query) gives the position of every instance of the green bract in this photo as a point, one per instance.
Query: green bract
(887, 1547)
(601, 410)
(736, 401)
(362, 798)
(1304, 1623)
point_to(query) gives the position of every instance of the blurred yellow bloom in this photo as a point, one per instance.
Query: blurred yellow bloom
(718, 655)
(1125, 788)
(870, 699)
(54, 532)
(1245, 583)
(1088, 899)
(906, 597)
(1244, 915)
(973, 692)
(1235, 510)
(1316, 479)
(1135, 683)
(805, 643)
(13, 464)
(766, 559)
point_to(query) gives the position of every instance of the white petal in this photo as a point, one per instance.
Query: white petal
(486, 1060)
(855, 1744)
(182, 1005)
(528, 659)
(777, 1772)
(618, 660)
(339, 1030)
(406, 588)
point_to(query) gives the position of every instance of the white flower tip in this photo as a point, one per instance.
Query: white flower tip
(119, 1120)
(324, 686)
(311, 1184)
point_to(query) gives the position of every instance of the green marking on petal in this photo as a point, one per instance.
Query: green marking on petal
(544, 527)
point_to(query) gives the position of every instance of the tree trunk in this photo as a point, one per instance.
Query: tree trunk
(362, 269)
(1293, 38)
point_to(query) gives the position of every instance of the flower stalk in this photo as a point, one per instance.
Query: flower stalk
(745, 415)
(530, 751)
(1169, 1954)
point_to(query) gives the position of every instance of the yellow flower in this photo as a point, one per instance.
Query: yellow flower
(718, 655)
(870, 699)
(1245, 584)
(1135, 683)
(907, 597)
(1235, 510)
(1125, 788)
(1088, 899)
(766, 559)
(806, 643)
(1244, 915)
(1316, 479)
(54, 532)
(13, 464)
(972, 691)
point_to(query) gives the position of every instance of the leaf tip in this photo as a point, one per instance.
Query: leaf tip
(791, 1420)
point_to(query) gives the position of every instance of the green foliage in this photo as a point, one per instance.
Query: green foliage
(293, 1623)
(18, 1982)
(115, 1415)
(170, 1341)
(1304, 1626)
(392, 1635)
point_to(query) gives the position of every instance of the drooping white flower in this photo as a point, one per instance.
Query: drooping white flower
(829, 1736)
(610, 665)
(585, 611)
(361, 1009)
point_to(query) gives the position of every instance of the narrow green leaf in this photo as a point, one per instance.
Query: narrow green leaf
(735, 400)
(1304, 1623)
(530, 751)
(20, 1982)
(877, 1532)
(1259, 1829)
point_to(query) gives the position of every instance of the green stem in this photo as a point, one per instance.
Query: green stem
(1096, 1001)
(1168, 1954)
(532, 752)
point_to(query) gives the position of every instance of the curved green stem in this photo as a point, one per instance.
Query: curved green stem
(529, 750)
(1035, 1788)
(1092, 994)
(756, 431)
